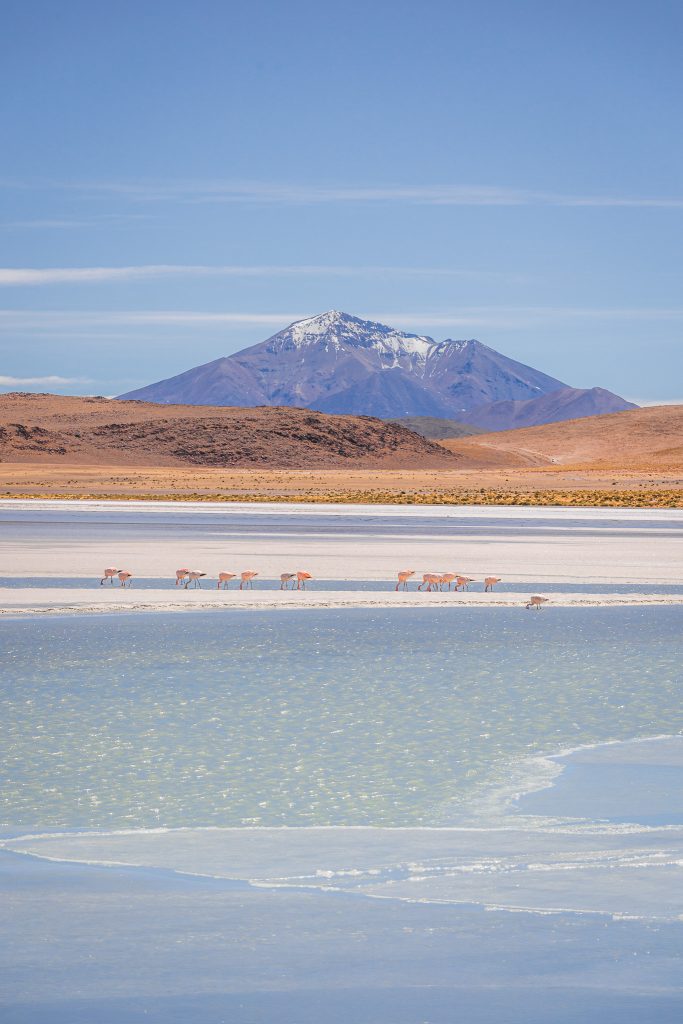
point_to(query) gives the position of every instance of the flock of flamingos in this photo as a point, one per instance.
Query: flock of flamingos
(430, 581)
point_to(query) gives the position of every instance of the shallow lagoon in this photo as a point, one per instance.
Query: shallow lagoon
(419, 718)
(382, 717)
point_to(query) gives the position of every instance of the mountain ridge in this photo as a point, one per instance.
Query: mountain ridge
(555, 407)
(338, 363)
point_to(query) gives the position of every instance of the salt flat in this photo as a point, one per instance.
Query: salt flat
(67, 601)
(79, 538)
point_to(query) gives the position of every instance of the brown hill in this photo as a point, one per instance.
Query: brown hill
(650, 438)
(54, 429)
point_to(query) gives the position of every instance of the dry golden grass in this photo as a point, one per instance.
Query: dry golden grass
(407, 487)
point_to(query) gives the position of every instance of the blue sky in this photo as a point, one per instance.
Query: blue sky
(181, 180)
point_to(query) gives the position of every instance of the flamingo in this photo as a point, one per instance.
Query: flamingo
(224, 579)
(180, 575)
(462, 582)
(109, 575)
(403, 578)
(194, 576)
(125, 577)
(535, 601)
(301, 578)
(490, 582)
(285, 577)
(448, 577)
(246, 578)
(432, 579)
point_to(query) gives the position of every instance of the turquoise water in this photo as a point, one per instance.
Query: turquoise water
(388, 717)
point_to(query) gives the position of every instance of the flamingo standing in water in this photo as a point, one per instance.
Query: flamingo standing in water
(431, 579)
(536, 601)
(448, 577)
(109, 575)
(180, 575)
(125, 577)
(194, 576)
(285, 577)
(490, 582)
(403, 578)
(246, 578)
(301, 578)
(463, 582)
(224, 579)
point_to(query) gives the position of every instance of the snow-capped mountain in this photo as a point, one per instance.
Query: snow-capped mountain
(339, 363)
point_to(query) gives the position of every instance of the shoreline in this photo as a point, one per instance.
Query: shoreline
(14, 603)
(311, 505)
(505, 863)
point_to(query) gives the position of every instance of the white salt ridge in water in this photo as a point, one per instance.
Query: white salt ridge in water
(544, 866)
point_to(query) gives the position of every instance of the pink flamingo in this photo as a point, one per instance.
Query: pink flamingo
(125, 577)
(194, 576)
(448, 577)
(463, 582)
(490, 582)
(109, 575)
(224, 579)
(403, 578)
(432, 579)
(180, 575)
(246, 578)
(301, 578)
(285, 577)
(535, 601)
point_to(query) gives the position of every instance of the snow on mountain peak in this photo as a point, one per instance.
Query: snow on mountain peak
(314, 325)
(338, 328)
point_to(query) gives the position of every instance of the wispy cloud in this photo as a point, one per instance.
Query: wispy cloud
(69, 222)
(20, 276)
(296, 193)
(302, 194)
(47, 222)
(49, 321)
(104, 322)
(20, 382)
(514, 316)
